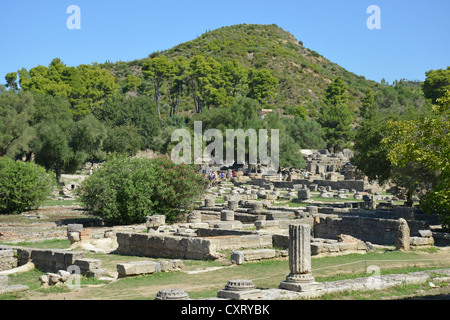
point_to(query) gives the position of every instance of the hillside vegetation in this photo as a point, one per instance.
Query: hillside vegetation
(303, 73)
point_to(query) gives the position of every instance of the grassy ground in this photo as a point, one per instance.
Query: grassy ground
(265, 274)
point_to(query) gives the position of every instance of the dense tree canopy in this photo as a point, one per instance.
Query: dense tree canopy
(16, 112)
(336, 117)
(86, 86)
(425, 144)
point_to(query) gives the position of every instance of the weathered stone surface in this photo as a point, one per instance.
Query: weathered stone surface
(304, 194)
(210, 201)
(425, 233)
(267, 225)
(155, 221)
(300, 279)
(63, 275)
(172, 294)
(256, 207)
(419, 241)
(227, 215)
(237, 257)
(406, 213)
(299, 249)
(8, 259)
(240, 289)
(3, 282)
(135, 268)
(402, 239)
(233, 204)
(239, 285)
(74, 227)
(173, 265)
(73, 237)
(163, 246)
(312, 210)
(88, 264)
(194, 217)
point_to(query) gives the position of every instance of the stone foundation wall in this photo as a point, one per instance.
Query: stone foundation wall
(378, 231)
(45, 259)
(358, 185)
(208, 232)
(165, 246)
(246, 241)
(197, 248)
(8, 259)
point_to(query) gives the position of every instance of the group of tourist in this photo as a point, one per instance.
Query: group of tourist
(214, 177)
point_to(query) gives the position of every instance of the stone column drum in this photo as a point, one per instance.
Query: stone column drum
(300, 279)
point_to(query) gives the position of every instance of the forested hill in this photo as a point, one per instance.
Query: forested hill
(303, 74)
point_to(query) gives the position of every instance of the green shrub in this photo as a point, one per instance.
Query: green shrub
(23, 186)
(126, 190)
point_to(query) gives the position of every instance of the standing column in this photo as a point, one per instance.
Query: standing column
(300, 278)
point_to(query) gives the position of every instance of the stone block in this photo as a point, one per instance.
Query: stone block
(85, 234)
(304, 194)
(71, 257)
(237, 257)
(74, 227)
(227, 215)
(88, 264)
(348, 246)
(64, 275)
(261, 254)
(73, 236)
(97, 273)
(172, 294)
(406, 213)
(53, 278)
(155, 221)
(135, 268)
(3, 282)
(42, 255)
(425, 233)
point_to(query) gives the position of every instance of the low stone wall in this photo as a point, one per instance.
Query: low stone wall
(378, 231)
(441, 238)
(136, 268)
(238, 257)
(357, 185)
(245, 241)
(324, 246)
(45, 259)
(178, 247)
(208, 232)
(8, 259)
(281, 225)
(53, 260)
(165, 246)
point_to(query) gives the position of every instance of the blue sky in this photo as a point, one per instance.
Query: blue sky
(414, 35)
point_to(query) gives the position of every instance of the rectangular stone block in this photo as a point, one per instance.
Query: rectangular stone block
(155, 221)
(3, 282)
(237, 257)
(71, 257)
(88, 264)
(348, 246)
(42, 255)
(135, 268)
(74, 227)
(7, 253)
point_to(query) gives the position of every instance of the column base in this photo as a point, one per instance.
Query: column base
(300, 287)
(300, 283)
